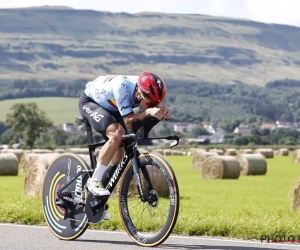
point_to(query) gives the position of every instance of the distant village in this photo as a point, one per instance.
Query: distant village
(216, 133)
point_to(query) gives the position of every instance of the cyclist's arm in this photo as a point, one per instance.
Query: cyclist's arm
(130, 118)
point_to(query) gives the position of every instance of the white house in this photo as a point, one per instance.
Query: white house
(242, 129)
(218, 136)
(184, 127)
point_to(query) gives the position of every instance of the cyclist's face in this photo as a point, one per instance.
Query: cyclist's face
(148, 103)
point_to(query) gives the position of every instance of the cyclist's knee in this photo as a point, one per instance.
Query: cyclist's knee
(115, 132)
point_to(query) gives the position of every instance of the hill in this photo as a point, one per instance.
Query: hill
(65, 44)
(215, 67)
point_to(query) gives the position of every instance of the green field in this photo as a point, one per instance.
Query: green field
(59, 109)
(245, 208)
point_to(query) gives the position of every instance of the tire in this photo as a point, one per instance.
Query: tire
(149, 223)
(62, 169)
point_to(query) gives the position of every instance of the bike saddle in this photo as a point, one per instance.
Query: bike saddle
(80, 118)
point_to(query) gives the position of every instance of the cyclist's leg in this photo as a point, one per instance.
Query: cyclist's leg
(120, 151)
(105, 123)
(117, 155)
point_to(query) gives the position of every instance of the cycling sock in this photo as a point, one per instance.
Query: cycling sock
(99, 171)
(109, 171)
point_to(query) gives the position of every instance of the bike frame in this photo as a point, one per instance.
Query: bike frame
(131, 153)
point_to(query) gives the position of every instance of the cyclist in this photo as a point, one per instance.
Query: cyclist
(108, 103)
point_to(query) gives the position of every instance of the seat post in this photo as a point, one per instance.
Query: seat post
(90, 140)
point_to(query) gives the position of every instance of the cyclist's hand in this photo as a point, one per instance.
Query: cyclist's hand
(157, 112)
(166, 111)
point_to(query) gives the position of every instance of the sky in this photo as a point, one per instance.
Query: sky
(267, 11)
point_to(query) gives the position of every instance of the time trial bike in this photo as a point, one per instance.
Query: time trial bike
(148, 194)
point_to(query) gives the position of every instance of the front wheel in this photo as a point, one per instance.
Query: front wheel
(149, 223)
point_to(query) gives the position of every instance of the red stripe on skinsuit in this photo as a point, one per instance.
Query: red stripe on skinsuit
(105, 80)
(112, 104)
(108, 78)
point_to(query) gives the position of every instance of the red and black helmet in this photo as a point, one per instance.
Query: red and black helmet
(152, 86)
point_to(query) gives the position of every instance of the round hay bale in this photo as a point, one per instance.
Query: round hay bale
(167, 152)
(296, 156)
(8, 164)
(252, 164)
(17, 152)
(25, 160)
(34, 173)
(143, 150)
(231, 151)
(41, 151)
(218, 151)
(158, 181)
(59, 150)
(283, 152)
(221, 167)
(158, 151)
(246, 151)
(296, 198)
(266, 152)
(199, 157)
(78, 150)
(177, 152)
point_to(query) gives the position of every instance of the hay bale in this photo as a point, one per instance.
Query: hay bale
(8, 164)
(84, 151)
(231, 151)
(158, 181)
(143, 150)
(218, 151)
(296, 156)
(246, 151)
(177, 152)
(158, 151)
(252, 164)
(296, 198)
(221, 167)
(283, 152)
(41, 151)
(59, 150)
(199, 157)
(167, 152)
(35, 171)
(25, 160)
(17, 152)
(266, 152)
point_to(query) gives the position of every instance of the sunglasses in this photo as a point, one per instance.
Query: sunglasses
(149, 103)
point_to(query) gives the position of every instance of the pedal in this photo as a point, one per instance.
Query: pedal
(59, 202)
(95, 208)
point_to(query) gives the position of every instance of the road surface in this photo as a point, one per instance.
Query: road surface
(40, 238)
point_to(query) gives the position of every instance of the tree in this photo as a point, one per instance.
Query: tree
(28, 119)
(3, 128)
(198, 130)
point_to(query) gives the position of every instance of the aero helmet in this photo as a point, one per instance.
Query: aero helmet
(153, 88)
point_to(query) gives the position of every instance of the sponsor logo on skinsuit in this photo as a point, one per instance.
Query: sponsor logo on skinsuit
(125, 107)
(97, 95)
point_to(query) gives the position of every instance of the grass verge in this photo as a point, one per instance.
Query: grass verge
(246, 208)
